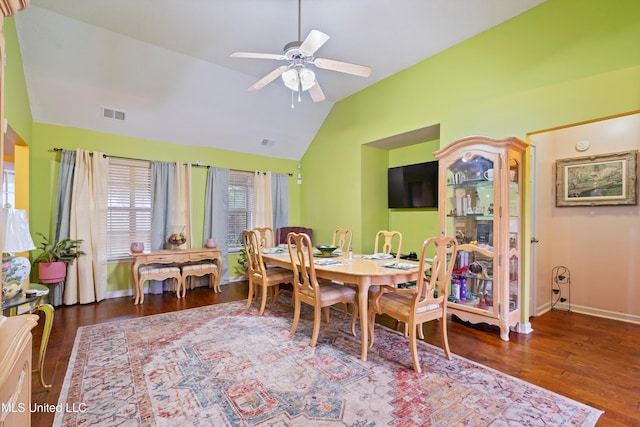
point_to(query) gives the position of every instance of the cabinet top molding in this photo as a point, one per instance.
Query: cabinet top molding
(511, 143)
(10, 7)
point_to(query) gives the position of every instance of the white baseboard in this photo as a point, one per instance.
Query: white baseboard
(597, 312)
(129, 292)
(119, 293)
(523, 328)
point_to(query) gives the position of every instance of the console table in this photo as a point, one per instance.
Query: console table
(35, 304)
(175, 256)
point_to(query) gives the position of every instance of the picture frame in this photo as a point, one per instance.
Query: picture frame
(598, 180)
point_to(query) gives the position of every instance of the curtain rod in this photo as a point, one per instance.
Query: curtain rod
(145, 160)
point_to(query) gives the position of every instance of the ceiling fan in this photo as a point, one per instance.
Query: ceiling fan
(299, 54)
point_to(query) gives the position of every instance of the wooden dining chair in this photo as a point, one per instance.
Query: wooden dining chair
(384, 245)
(261, 277)
(266, 236)
(342, 238)
(426, 302)
(307, 289)
(385, 242)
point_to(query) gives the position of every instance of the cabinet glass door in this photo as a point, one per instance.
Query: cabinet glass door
(470, 218)
(514, 234)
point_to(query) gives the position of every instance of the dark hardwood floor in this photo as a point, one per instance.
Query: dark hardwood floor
(592, 360)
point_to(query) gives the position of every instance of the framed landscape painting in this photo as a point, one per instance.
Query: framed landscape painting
(604, 179)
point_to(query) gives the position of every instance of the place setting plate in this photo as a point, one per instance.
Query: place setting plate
(399, 265)
(326, 261)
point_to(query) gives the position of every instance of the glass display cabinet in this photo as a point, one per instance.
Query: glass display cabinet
(480, 204)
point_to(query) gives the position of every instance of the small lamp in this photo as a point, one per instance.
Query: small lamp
(15, 238)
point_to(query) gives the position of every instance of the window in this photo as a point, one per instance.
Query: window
(240, 208)
(128, 206)
(8, 187)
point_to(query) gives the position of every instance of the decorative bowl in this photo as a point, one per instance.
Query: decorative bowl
(177, 239)
(326, 250)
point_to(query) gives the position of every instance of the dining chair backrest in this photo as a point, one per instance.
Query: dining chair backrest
(305, 281)
(433, 288)
(342, 238)
(385, 240)
(251, 243)
(266, 236)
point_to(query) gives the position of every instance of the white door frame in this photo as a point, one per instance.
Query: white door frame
(533, 224)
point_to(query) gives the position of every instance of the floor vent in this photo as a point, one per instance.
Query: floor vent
(110, 113)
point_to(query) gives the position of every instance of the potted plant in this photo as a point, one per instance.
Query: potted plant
(244, 263)
(52, 261)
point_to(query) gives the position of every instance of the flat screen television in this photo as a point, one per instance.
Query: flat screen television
(414, 186)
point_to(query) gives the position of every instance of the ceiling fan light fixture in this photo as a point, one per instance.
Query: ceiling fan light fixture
(295, 78)
(299, 54)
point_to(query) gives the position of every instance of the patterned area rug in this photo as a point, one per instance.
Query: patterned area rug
(223, 365)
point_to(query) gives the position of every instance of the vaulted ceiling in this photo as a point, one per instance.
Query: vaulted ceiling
(166, 64)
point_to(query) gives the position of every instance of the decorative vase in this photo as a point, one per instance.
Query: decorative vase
(15, 269)
(137, 247)
(211, 243)
(52, 272)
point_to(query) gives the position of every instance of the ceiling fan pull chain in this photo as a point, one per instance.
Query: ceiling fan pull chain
(292, 104)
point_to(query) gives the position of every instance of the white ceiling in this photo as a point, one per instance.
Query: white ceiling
(166, 63)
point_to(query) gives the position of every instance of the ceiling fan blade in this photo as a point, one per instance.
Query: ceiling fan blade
(251, 55)
(268, 79)
(316, 92)
(313, 42)
(343, 67)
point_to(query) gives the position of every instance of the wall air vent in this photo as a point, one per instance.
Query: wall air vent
(267, 143)
(110, 113)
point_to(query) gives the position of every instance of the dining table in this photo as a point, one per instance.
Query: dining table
(361, 270)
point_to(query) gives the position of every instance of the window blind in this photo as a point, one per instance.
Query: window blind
(240, 207)
(128, 206)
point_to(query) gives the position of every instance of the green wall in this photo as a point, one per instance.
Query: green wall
(373, 204)
(16, 100)
(45, 164)
(563, 62)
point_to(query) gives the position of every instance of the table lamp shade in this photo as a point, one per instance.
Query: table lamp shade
(15, 238)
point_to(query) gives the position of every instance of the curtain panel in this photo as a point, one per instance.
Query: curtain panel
(182, 203)
(63, 213)
(162, 196)
(280, 200)
(86, 280)
(216, 213)
(262, 209)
